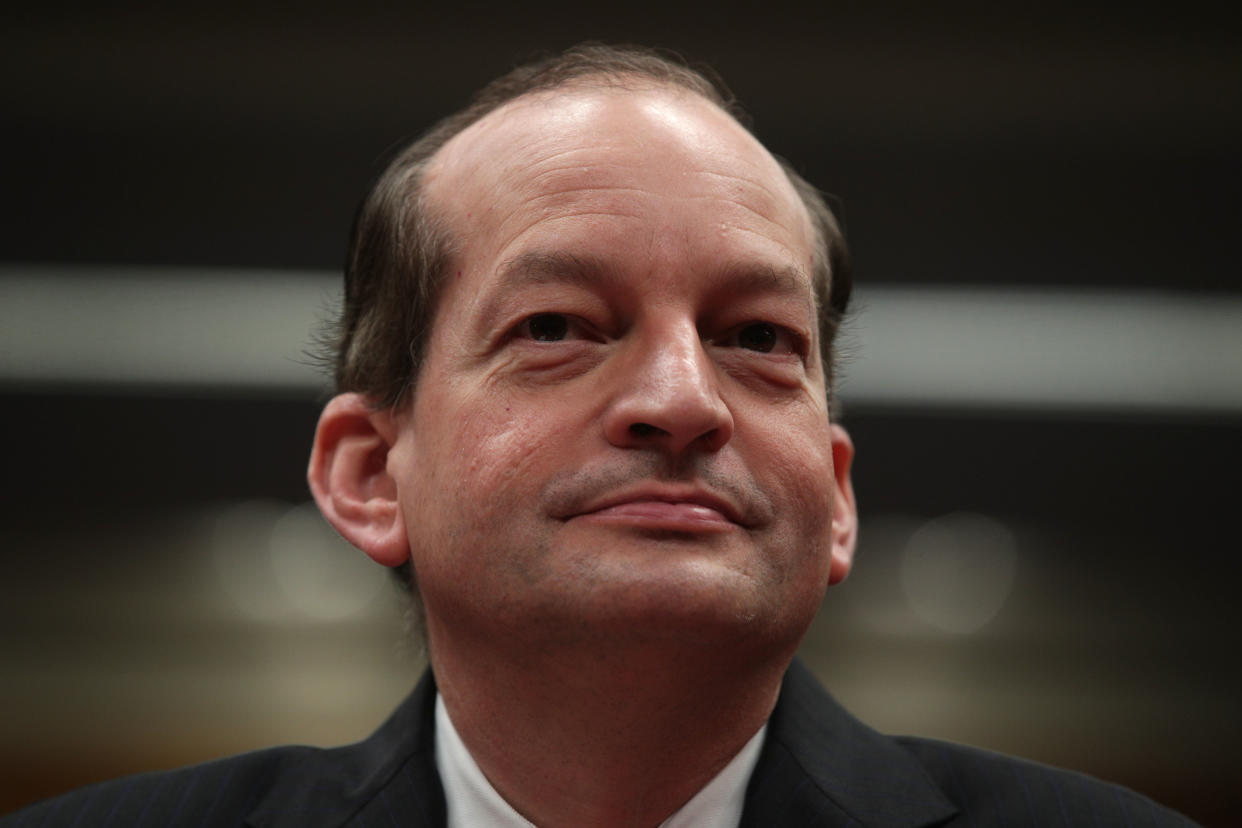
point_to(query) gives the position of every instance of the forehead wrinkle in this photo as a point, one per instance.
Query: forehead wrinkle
(559, 196)
(561, 157)
(766, 219)
(588, 188)
(749, 195)
(788, 247)
(774, 200)
(540, 155)
(507, 236)
(754, 186)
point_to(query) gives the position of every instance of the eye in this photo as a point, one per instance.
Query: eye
(555, 327)
(546, 327)
(765, 338)
(757, 336)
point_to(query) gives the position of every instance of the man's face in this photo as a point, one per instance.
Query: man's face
(620, 427)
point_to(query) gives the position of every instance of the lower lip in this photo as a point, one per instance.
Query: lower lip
(654, 514)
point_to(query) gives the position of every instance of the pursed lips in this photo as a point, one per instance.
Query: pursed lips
(674, 509)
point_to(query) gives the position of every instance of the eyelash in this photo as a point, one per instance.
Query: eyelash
(524, 329)
(562, 324)
(794, 343)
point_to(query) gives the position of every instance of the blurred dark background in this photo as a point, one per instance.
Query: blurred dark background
(1044, 377)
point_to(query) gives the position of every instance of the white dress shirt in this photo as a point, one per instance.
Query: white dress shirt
(474, 803)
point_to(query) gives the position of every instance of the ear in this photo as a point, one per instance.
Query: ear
(349, 477)
(845, 508)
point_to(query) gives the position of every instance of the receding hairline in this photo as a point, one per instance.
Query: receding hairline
(620, 83)
(627, 82)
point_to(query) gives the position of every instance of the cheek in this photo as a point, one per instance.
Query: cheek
(496, 448)
(479, 536)
(480, 468)
(801, 471)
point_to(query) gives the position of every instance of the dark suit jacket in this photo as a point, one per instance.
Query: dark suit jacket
(819, 766)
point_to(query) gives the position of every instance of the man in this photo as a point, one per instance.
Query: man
(585, 378)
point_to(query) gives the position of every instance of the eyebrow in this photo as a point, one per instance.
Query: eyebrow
(749, 279)
(539, 267)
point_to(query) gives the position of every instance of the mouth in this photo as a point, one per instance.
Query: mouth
(689, 510)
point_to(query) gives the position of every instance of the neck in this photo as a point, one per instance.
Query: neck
(617, 738)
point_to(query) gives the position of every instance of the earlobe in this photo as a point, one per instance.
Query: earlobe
(349, 478)
(845, 508)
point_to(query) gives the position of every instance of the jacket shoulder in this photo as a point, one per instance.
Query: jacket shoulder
(994, 789)
(218, 793)
(393, 771)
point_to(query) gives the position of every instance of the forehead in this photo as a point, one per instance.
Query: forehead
(602, 164)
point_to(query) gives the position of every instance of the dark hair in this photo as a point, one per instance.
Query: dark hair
(399, 248)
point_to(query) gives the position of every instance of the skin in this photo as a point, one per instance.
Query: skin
(618, 480)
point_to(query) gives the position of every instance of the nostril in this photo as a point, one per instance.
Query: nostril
(644, 430)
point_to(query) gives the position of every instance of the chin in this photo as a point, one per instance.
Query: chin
(697, 602)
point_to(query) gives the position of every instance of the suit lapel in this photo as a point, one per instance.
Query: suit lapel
(821, 766)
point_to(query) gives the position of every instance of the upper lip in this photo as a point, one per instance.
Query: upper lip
(664, 494)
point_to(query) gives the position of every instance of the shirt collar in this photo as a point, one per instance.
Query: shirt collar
(473, 801)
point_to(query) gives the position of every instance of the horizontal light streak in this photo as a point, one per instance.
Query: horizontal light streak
(1057, 349)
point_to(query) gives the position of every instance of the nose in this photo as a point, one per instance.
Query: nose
(666, 396)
